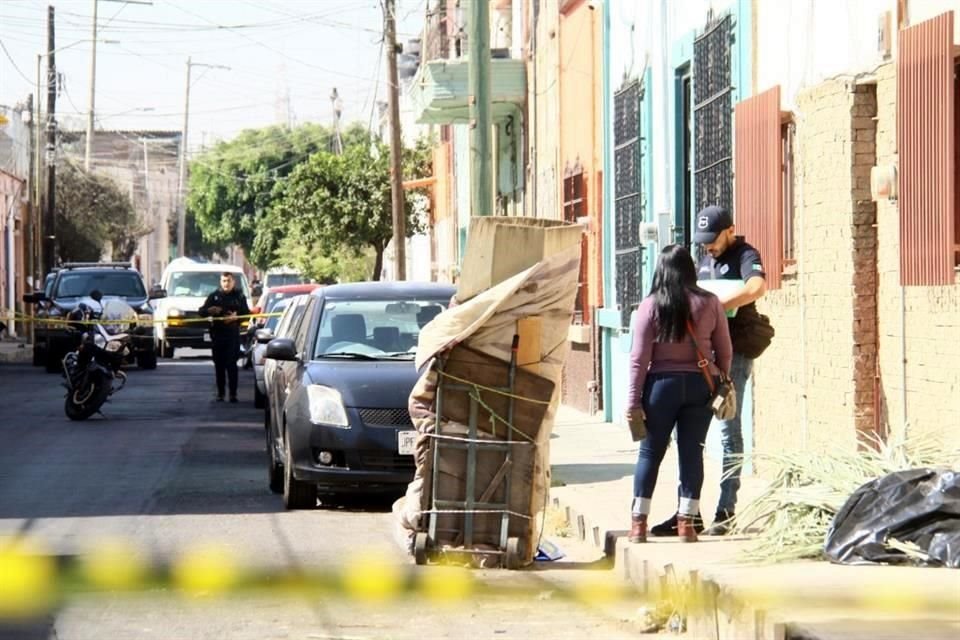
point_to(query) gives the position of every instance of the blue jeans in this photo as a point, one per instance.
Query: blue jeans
(731, 436)
(674, 400)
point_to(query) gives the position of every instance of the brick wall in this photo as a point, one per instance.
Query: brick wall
(805, 389)
(931, 316)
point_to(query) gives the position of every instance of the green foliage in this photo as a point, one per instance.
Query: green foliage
(197, 245)
(91, 211)
(231, 186)
(285, 198)
(341, 202)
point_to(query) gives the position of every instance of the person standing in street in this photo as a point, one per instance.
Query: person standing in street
(728, 256)
(225, 306)
(668, 383)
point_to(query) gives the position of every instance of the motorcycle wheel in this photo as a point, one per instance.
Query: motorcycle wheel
(82, 403)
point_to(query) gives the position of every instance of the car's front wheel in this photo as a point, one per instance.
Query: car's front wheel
(274, 468)
(147, 360)
(296, 494)
(259, 399)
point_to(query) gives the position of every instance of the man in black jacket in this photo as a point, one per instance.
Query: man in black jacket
(224, 306)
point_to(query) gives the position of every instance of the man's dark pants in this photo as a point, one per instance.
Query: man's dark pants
(226, 350)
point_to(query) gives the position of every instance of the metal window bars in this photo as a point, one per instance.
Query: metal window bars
(628, 197)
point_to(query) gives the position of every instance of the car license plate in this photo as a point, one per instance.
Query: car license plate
(206, 336)
(406, 442)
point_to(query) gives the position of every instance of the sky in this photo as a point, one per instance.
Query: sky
(304, 47)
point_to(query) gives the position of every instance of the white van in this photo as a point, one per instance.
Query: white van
(280, 276)
(187, 284)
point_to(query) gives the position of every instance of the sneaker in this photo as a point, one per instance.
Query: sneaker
(668, 527)
(722, 523)
(234, 400)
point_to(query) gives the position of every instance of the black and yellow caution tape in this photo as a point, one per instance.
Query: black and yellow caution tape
(33, 582)
(173, 322)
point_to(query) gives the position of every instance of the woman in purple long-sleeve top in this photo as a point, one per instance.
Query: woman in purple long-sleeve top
(667, 385)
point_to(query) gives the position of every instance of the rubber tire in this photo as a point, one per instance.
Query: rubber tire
(513, 558)
(274, 469)
(421, 548)
(259, 399)
(39, 356)
(75, 413)
(147, 361)
(296, 494)
(53, 364)
(164, 350)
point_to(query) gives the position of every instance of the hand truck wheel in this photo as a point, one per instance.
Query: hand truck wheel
(514, 553)
(421, 544)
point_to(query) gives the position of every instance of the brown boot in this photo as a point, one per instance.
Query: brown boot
(686, 530)
(638, 528)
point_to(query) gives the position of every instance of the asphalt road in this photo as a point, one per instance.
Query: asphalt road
(167, 468)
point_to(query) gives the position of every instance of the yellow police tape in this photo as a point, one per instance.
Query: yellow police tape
(33, 582)
(173, 322)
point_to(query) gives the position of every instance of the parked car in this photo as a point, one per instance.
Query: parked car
(264, 334)
(187, 283)
(71, 284)
(272, 294)
(338, 397)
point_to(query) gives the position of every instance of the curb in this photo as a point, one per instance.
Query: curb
(718, 614)
(16, 353)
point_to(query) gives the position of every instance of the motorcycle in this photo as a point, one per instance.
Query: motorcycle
(92, 371)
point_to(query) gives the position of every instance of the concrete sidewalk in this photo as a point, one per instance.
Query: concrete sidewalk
(15, 351)
(593, 464)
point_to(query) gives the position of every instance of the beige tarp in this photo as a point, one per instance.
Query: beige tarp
(487, 323)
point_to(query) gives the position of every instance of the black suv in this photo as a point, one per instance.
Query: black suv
(70, 284)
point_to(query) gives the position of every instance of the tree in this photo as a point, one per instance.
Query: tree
(92, 212)
(343, 202)
(197, 245)
(232, 186)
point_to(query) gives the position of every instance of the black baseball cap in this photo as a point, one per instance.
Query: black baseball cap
(710, 222)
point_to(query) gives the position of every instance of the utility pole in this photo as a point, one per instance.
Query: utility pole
(50, 219)
(93, 78)
(337, 111)
(182, 180)
(481, 159)
(396, 149)
(93, 91)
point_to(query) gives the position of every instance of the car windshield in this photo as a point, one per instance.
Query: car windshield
(386, 329)
(199, 284)
(125, 284)
(277, 308)
(273, 297)
(281, 279)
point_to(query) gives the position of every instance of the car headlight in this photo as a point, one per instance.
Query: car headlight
(326, 407)
(174, 313)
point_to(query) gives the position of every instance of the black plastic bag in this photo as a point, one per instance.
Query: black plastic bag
(921, 506)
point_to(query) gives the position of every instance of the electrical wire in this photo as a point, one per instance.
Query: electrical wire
(10, 58)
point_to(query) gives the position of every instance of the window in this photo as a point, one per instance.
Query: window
(125, 284)
(787, 136)
(374, 327)
(575, 207)
(628, 200)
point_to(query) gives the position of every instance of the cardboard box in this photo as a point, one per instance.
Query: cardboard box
(500, 247)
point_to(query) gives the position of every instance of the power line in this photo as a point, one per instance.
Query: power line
(10, 58)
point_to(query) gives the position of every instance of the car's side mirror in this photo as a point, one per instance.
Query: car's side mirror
(282, 349)
(264, 336)
(156, 294)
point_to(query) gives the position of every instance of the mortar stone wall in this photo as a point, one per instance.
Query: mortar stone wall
(805, 394)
